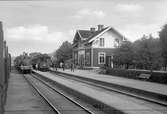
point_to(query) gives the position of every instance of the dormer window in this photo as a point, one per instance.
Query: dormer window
(101, 42)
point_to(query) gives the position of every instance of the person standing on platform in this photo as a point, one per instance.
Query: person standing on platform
(55, 66)
(36, 67)
(72, 67)
(63, 65)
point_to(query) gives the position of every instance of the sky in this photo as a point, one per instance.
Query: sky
(42, 26)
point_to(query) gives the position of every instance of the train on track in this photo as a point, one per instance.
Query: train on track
(43, 66)
(25, 64)
(26, 69)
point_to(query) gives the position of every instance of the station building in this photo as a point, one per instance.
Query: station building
(94, 48)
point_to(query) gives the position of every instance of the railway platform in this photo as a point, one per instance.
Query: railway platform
(119, 103)
(160, 89)
(23, 99)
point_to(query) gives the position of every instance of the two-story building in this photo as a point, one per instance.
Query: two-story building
(94, 48)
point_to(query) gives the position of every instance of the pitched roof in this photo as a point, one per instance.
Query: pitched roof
(96, 33)
(105, 30)
(85, 33)
(88, 35)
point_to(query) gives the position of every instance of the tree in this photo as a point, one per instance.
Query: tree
(163, 41)
(123, 55)
(33, 54)
(147, 53)
(64, 52)
(32, 59)
(38, 58)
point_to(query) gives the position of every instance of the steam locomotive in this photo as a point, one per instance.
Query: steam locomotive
(23, 64)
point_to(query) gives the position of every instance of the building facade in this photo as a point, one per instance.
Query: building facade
(95, 48)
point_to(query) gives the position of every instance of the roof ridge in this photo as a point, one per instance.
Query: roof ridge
(98, 32)
(79, 34)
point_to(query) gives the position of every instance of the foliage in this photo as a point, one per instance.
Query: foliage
(163, 41)
(124, 54)
(18, 60)
(33, 58)
(23, 59)
(33, 54)
(64, 52)
(68, 63)
(156, 76)
(147, 53)
(144, 53)
(40, 58)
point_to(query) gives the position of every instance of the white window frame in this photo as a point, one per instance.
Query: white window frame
(99, 55)
(101, 42)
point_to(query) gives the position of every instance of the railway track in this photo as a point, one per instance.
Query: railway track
(109, 88)
(99, 104)
(60, 103)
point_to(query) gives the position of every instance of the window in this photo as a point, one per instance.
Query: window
(101, 58)
(75, 58)
(116, 43)
(101, 42)
(88, 58)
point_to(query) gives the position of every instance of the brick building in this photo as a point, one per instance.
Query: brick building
(94, 48)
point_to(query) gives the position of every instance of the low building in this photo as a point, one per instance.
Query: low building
(94, 48)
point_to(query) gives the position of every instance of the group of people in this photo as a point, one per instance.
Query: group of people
(62, 65)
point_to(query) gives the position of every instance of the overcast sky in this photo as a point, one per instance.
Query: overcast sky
(42, 26)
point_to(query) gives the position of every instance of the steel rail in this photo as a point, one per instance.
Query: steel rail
(43, 96)
(112, 89)
(61, 93)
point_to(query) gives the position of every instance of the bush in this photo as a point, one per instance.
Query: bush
(160, 77)
(68, 63)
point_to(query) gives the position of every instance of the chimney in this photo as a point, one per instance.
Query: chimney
(100, 27)
(92, 29)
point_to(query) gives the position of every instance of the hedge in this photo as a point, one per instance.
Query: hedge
(160, 77)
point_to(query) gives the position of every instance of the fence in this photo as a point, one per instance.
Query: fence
(5, 68)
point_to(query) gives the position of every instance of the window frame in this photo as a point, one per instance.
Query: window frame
(101, 42)
(99, 55)
(87, 58)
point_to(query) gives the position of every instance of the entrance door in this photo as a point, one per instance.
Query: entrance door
(109, 62)
(82, 60)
